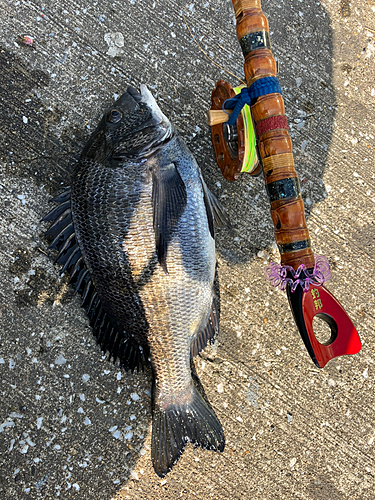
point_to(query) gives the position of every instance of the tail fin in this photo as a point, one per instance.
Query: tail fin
(176, 425)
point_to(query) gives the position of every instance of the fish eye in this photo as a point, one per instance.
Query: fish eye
(114, 116)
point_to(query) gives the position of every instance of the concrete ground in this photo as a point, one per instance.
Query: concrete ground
(72, 425)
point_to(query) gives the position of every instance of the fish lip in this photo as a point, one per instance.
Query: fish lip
(149, 99)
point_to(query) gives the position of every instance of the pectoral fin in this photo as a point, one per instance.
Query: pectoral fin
(169, 202)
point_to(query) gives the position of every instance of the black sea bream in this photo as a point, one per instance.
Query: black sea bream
(136, 233)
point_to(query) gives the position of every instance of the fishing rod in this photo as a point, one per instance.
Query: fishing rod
(253, 139)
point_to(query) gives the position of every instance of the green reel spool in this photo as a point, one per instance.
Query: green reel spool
(234, 146)
(250, 159)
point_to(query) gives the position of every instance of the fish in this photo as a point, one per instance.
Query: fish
(136, 233)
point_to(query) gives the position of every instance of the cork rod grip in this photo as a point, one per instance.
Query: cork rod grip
(274, 142)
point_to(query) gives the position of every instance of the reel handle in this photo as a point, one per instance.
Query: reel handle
(274, 142)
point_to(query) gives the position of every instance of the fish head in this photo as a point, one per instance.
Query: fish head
(133, 128)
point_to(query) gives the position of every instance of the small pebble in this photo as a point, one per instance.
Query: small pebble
(27, 40)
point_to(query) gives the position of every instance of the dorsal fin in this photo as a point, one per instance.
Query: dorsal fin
(112, 339)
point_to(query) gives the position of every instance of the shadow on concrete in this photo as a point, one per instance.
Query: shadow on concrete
(29, 147)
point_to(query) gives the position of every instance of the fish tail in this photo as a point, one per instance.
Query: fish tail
(177, 424)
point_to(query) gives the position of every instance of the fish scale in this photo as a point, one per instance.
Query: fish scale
(99, 234)
(142, 254)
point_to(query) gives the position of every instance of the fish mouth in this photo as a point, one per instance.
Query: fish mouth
(157, 113)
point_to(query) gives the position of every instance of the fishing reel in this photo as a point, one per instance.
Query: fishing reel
(234, 145)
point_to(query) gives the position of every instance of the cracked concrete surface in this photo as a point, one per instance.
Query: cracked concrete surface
(72, 425)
